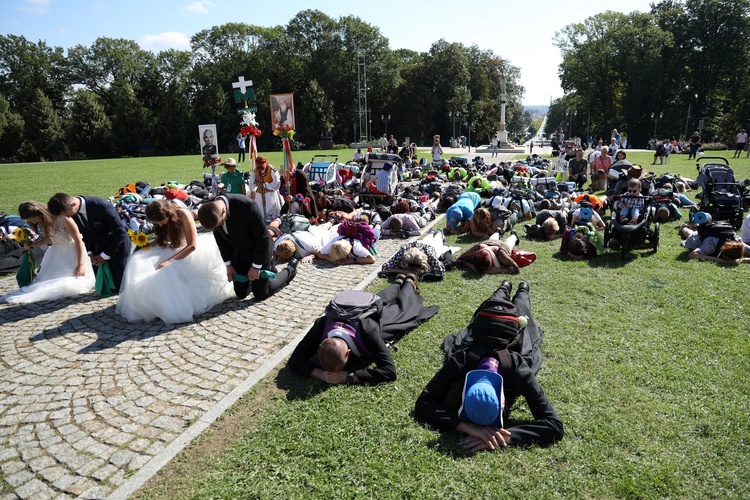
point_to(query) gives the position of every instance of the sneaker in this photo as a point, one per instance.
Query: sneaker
(634, 220)
(400, 279)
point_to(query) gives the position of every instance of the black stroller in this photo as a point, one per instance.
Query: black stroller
(632, 235)
(721, 195)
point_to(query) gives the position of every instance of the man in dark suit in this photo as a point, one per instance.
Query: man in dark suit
(104, 232)
(245, 245)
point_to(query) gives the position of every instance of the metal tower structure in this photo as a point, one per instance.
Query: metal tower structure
(364, 131)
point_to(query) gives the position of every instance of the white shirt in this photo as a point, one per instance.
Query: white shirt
(308, 242)
(358, 250)
(746, 230)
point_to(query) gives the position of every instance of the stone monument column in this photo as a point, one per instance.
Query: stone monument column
(502, 134)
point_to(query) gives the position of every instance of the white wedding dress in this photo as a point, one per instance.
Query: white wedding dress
(175, 293)
(55, 279)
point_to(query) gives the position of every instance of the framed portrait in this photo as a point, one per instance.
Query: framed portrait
(207, 137)
(282, 111)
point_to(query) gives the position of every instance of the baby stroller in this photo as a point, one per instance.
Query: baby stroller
(721, 195)
(323, 173)
(632, 235)
(375, 163)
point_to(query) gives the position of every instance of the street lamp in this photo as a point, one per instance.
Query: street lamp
(656, 119)
(454, 115)
(569, 115)
(385, 119)
(468, 139)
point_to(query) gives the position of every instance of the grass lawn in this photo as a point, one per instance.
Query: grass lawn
(646, 361)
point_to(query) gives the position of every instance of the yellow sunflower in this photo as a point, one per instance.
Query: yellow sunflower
(141, 239)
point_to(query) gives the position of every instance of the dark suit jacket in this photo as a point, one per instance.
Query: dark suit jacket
(246, 240)
(105, 231)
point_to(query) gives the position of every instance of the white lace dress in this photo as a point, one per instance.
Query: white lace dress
(55, 279)
(175, 293)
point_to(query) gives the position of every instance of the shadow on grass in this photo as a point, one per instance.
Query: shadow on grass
(298, 387)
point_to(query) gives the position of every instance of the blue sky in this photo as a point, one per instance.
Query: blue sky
(521, 35)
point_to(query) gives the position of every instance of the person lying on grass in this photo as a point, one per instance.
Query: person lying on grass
(344, 352)
(492, 380)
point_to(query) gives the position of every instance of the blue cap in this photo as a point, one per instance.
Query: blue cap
(483, 400)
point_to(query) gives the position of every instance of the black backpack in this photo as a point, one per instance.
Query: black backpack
(354, 306)
(291, 223)
(722, 230)
(495, 325)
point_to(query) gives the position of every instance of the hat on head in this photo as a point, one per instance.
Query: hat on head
(387, 166)
(635, 172)
(230, 163)
(483, 400)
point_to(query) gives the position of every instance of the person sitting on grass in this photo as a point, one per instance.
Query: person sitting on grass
(492, 382)
(345, 352)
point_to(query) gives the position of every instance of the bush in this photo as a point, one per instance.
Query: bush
(714, 146)
(340, 146)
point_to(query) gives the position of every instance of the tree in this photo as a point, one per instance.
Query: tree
(43, 129)
(89, 129)
(318, 112)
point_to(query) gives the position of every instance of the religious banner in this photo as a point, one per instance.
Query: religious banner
(282, 112)
(210, 152)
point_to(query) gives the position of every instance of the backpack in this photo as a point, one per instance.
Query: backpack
(722, 230)
(354, 306)
(358, 230)
(291, 223)
(495, 325)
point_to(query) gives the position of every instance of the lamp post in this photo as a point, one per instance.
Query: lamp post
(656, 119)
(569, 115)
(385, 119)
(454, 115)
(468, 139)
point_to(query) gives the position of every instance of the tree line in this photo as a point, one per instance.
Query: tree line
(679, 68)
(113, 99)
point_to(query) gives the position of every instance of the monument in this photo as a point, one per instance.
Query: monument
(502, 134)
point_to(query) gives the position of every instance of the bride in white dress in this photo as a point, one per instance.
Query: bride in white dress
(65, 269)
(179, 276)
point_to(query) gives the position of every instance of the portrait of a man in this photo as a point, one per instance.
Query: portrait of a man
(282, 111)
(207, 137)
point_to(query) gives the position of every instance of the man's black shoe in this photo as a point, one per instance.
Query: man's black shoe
(506, 286)
(292, 266)
(523, 287)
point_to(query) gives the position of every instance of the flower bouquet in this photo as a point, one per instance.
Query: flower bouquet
(139, 239)
(284, 131)
(27, 270)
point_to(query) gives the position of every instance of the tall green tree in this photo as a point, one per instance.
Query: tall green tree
(89, 129)
(43, 130)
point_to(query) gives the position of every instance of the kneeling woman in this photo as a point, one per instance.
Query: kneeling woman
(178, 277)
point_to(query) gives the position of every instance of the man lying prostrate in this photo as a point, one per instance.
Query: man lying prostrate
(302, 244)
(493, 379)
(356, 331)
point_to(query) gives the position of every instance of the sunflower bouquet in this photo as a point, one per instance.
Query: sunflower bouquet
(139, 239)
(23, 236)
(27, 268)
